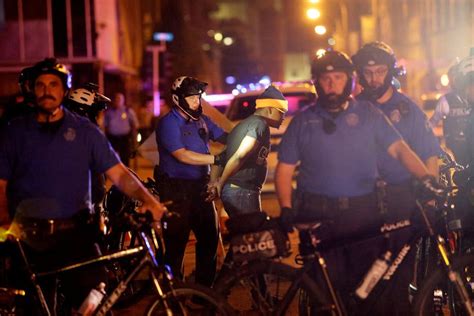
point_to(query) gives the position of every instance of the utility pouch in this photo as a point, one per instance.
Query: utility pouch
(257, 236)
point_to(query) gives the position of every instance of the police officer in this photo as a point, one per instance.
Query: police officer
(376, 66)
(182, 176)
(465, 82)
(454, 110)
(336, 143)
(45, 164)
(465, 180)
(88, 102)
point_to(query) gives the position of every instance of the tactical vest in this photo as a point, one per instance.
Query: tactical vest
(456, 120)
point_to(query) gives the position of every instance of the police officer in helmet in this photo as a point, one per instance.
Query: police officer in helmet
(46, 159)
(377, 68)
(182, 176)
(335, 144)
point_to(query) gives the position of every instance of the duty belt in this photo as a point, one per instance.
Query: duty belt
(338, 203)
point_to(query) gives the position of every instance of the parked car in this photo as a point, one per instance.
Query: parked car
(299, 95)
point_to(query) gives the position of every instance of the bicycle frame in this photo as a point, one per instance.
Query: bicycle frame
(147, 259)
(436, 237)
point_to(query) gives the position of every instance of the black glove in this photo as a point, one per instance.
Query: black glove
(462, 177)
(287, 218)
(220, 160)
(430, 188)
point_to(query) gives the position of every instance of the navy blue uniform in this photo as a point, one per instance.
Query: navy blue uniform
(185, 185)
(175, 132)
(412, 124)
(48, 173)
(341, 164)
(336, 181)
(48, 169)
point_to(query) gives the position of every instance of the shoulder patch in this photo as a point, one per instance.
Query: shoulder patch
(395, 116)
(352, 119)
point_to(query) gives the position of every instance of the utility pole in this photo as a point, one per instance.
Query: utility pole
(156, 50)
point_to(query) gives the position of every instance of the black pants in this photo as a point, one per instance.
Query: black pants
(395, 298)
(348, 264)
(195, 214)
(122, 144)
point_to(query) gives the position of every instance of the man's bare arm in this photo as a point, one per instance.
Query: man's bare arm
(283, 179)
(235, 162)
(132, 187)
(432, 165)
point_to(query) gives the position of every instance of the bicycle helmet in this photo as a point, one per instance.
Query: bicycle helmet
(329, 62)
(465, 72)
(87, 101)
(452, 73)
(184, 87)
(51, 66)
(376, 53)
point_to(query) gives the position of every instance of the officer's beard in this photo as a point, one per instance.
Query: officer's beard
(332, 102)
(375, 93)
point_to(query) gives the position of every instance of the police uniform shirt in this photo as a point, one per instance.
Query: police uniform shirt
(252, 174)
(174, 132)
(412, 124)
(48, 173)
(341, 162)
(119, 122)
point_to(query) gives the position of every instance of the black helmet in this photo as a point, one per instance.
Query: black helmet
(184, 87)
(465, 72)
(328, 62)
(376, 53)
(87, 101)
(51, 66)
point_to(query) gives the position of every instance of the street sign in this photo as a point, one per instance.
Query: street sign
(165, 37)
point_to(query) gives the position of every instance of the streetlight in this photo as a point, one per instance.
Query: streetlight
(313, 13)
(218, 36)
(320, 52)
(228, 41)
(320, 29)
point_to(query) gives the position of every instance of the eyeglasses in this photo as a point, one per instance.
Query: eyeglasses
(380, 72)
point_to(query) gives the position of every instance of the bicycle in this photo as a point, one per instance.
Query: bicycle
(297, 291)
(172, 296)
(115, 205)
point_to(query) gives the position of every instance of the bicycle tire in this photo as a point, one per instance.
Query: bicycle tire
(437, 297)
(244, 292)
(190, 299)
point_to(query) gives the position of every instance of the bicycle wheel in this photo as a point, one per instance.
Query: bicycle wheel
(438, 295)
(190, 299)
(271, 288)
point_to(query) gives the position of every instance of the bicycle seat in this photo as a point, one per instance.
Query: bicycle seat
(307, 225)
